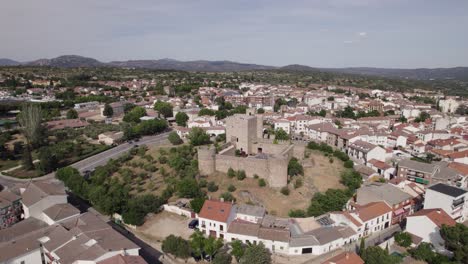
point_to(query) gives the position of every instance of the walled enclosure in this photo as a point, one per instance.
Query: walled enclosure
(265, 159)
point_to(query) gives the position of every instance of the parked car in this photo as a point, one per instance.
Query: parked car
(193, 224)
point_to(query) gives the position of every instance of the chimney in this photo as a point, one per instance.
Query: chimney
(221, 199)
(347, 255)
(438, 211)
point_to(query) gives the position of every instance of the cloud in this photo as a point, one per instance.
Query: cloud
(362, 34)
(348, 41)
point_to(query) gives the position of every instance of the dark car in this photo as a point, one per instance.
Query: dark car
(193, 224)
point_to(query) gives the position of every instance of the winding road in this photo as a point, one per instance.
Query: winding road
(96, 160)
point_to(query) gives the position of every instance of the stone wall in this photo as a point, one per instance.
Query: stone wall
(206, 159)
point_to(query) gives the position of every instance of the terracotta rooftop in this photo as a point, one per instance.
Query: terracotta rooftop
(438, 216)
(345, 258)
(120, 259)
(372, 210)
(215, 210)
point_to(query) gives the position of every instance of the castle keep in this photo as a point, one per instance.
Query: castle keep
(258, 155)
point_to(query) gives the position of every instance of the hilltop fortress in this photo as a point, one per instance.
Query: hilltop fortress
(247, 148)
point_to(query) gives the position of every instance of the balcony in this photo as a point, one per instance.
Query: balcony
(458, 203)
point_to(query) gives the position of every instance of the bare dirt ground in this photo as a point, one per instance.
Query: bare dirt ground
(321, 176)
(159, 226)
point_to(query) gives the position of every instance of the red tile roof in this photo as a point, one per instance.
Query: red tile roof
(345, 258)
(372, 210)
(438, 216)
(215, 210)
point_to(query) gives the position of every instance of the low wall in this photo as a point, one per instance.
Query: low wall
(177, 210)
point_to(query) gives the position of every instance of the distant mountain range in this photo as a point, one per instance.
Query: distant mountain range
(72, 61)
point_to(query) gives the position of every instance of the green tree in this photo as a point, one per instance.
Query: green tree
(198, 137)
(176, 246)
(174, 138)
(72, 114)
(48, 160)
(256, 254)
(163, 108)
(280, 134)
(212, 245)
(134, 115)
(188, 188)
(295, 167)
(331, 200)
(231, 173)
(261, 182)
(181, 119)
(285, 190)
(403, 239)
(197, 203)
(260, 111)
(222, 258)
(30, 121)
(348, 164)
(297, 213)
(456, 240)
(241, 175)
(197, 243)
(206, 112)
(108, 111)
(231, 188)
(238, 249)
(227, 196)
(377, 255)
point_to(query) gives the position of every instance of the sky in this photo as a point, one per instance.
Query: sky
(318, 33)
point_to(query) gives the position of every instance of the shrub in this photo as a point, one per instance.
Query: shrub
(176, 246)
(241, 175)
(261, 182)
(202, 183)
(174, 138)
(403, 239)
(295, 168)
(212, 187)
(231, 188)
(348, 164)
(150, 167)
(297, 213)
(162, 159)
(231, 173)
(255, 176)
(228, 197)
(330, 160)
(285, 190)
(298, 183)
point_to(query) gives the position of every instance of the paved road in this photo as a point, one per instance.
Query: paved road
(113, 153)
(94, 161)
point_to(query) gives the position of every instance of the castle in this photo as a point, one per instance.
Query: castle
(247, 149)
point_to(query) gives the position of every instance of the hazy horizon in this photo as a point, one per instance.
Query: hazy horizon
(325, 34)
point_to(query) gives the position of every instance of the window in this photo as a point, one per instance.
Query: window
(221, 227)
(23, 262)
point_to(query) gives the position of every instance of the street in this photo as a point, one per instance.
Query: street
(102, 158)
(94, 161)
